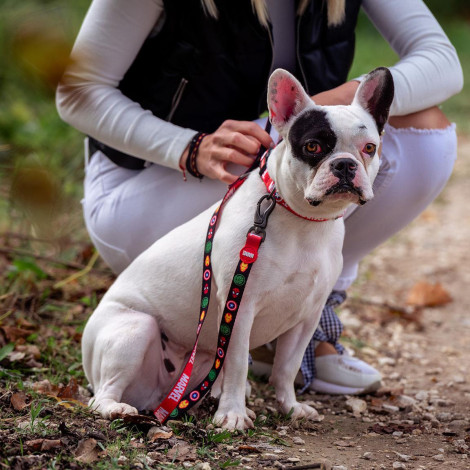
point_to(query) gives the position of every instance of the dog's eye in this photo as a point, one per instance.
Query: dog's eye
(369, 149)
(313, 147)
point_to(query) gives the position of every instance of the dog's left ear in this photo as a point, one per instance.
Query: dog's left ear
(286, 99)
(375, 95)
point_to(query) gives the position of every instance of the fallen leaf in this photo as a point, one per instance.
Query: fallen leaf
(29, 349)
(49, 444)
(181, 452)
(44, 387)
(87, 451)
(138, 445)
(43, 445)
(424, 294)
(69, 391)
(18, 401)
(16, 356)
(34, 444)
(69, 403)
(33, 364)
(13, 334)
(161, 435)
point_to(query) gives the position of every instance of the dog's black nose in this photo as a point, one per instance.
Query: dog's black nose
(344, 168)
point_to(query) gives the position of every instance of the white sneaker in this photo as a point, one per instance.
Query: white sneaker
(344, 375)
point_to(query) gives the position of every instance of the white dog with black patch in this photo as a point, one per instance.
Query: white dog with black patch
(137, 341)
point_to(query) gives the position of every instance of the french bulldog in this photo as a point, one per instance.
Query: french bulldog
(140, 336)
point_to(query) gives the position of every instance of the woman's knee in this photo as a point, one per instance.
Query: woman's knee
(431, 118)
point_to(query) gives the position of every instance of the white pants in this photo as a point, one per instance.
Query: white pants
(127, 210)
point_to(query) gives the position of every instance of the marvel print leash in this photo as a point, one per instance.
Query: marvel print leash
(175, 405)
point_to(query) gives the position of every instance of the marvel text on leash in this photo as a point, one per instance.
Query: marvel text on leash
(138, 339)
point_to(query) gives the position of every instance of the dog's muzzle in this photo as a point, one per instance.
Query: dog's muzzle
(341, 187)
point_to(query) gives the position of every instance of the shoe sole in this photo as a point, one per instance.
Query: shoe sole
(263, 369)
(327, 388)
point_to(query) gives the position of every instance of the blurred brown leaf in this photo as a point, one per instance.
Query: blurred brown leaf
(182, 452)
(30, 350)
(69, 391)
(87, 451)
(161, 435)
(18, 401)
(67, 396)
(424, 294)
(41, 50)
(13, 334)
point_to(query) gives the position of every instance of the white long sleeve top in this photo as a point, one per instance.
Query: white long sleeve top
(428, 72)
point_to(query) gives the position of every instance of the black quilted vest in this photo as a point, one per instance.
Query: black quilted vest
(197, 71)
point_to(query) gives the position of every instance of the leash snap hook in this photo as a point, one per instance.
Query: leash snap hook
(261, 217)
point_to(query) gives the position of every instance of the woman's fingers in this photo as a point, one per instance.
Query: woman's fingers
(234, 142)
(249, 129)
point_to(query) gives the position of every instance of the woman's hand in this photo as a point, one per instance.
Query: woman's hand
(236, 142)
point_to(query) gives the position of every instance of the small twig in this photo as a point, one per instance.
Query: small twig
(5, 315)
(81, 273)
(384, 305)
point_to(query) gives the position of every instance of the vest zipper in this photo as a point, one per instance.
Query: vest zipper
(177, 98)
(305, 84)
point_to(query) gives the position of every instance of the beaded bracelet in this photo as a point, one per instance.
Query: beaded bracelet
(191, 164)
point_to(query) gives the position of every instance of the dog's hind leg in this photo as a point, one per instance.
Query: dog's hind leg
(123, 359)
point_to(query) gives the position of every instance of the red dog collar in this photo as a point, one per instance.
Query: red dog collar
(271, 187)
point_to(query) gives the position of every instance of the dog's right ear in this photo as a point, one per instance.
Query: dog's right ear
(286, 99)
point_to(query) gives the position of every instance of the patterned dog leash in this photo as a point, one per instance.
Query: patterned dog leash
(177, 403)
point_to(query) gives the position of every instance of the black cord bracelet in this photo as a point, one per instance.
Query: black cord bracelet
(191, 164)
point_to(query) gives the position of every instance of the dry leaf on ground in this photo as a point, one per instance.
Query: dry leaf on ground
(182, 452)
(424, 294)
(18, 401)
(43, 445)
(87, 451)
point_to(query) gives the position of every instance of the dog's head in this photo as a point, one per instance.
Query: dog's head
(331, 152)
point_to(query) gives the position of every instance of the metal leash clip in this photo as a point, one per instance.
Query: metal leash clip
(261, 218)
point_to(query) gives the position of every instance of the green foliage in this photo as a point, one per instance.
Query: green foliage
(26, 268)
(373, 51)
(450, 9)
(7, 349)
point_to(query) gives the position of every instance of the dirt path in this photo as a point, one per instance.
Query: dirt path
(427, 360)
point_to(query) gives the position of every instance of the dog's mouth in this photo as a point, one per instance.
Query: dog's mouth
(342, 187)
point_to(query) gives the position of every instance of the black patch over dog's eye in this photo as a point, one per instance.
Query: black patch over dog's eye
(311, 137)
(313, 147)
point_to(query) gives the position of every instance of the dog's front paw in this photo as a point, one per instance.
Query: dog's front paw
(300, 410)
(234, 420)
(111, 409)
